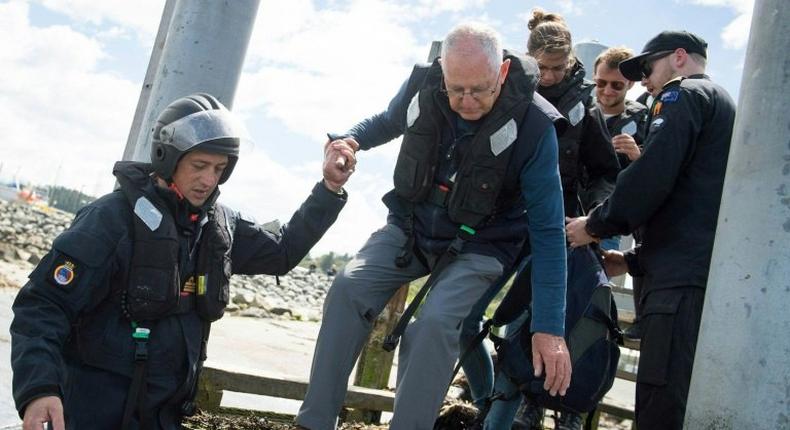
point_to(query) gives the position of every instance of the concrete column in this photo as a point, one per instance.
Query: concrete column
(741, 377)
(202, 50)
(587, 52)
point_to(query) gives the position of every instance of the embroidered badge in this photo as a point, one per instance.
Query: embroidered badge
(658, 122)
(629, 128)
(64, 274)
(504, 137)
(670, 96)
(413, 112)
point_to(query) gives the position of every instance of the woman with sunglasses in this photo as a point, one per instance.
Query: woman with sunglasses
(588, 168)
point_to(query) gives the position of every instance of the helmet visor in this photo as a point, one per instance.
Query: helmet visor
(199, 127)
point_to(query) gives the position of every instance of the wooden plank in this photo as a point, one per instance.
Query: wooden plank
(624, 374)
(625, 317)
(616, 410)
(622, 290)
(291, 388)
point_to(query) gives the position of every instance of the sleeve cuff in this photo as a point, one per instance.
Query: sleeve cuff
(35, 393)
(632, 261)
(327, 193)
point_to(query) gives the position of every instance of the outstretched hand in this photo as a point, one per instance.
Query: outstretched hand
(550, 353)
(48, 409)
(339, 162)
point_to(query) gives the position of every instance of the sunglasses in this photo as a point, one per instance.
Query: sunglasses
(616, 85)
(647, 65)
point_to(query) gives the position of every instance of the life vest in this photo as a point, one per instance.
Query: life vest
(572, 97)
(154, 285)
(479, 189)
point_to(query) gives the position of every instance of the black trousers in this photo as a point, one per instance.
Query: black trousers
(670, 325)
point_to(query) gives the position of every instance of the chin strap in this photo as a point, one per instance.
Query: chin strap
(172, 186)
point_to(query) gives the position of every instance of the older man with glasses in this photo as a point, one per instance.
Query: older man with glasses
(672, 193)
(479, 152)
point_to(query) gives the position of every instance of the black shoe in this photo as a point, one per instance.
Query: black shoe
(528, 417)
(569, 421)
(634, 332)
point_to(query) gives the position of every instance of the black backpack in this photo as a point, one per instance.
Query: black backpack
(591, 333)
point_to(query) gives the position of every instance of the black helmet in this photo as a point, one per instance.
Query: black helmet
(197, 121)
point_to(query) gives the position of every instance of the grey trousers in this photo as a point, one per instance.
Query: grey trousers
(428, 348)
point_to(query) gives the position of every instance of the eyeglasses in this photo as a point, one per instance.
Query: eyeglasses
(476, 93)
(647, 65)
(616, 85)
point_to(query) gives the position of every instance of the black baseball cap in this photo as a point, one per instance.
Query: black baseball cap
(665, 41)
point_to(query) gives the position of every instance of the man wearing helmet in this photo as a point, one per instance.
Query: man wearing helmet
(111, 329)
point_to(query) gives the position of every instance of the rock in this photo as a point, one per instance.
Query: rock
(34, 259)
(252, 312)
(21, 255)
(280, 311)
(244, 298)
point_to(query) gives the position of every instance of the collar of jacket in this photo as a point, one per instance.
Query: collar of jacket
(139, 175)
(572, 84)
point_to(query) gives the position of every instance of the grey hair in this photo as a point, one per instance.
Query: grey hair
(487, 38)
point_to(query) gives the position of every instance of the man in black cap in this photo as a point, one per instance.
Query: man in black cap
(672, 195)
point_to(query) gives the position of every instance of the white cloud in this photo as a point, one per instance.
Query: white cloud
(61, 119)
(736, 33)
(136, 15)
(302, 60)
(569, 7)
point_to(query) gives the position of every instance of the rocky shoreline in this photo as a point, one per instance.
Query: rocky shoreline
(27, 232)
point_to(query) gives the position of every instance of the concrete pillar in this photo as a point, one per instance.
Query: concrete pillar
(587, 52)
(202, 50)
(741, 377)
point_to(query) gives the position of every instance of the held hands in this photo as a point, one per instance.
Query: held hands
(550, 353)
(339, 162)
(576, 233)
(625, 144)
(43, 410)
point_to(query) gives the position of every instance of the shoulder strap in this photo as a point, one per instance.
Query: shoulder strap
(392, 339)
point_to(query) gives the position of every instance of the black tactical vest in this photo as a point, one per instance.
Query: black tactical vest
(572, 98)
(479, 190)
(153, 290)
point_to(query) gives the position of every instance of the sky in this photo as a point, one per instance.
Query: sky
(72, 72)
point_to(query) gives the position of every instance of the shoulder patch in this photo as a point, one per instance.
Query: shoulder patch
(576, 114)
(629, 128)
(148, 213)
(413, 112)
(656, 124)
(504, 137)
(670, 96)
(63, 271)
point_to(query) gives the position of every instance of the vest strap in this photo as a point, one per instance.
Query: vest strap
(464, 233)
(138, 390)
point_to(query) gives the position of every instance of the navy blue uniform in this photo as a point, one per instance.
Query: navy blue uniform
(71, 339)
(672, 193)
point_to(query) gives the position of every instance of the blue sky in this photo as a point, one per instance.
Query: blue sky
(72, 72)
